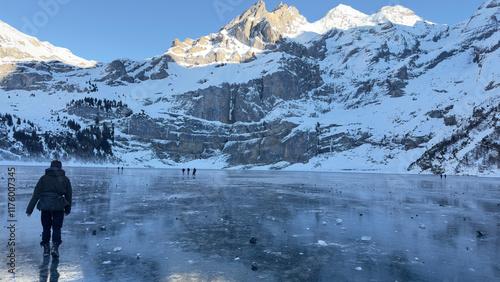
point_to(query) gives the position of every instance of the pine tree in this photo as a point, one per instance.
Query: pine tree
(9, 120)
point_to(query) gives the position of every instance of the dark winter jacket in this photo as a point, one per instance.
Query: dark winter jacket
(56, 181)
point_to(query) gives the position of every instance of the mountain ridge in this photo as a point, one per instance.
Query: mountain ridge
(257, 30)
(381, 96)
(16, 46)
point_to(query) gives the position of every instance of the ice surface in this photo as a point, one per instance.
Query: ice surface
(173, 227)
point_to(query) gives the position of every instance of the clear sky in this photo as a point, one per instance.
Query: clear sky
(104, 30)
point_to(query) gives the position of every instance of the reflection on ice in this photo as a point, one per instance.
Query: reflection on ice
(52, 270)
(156, 225)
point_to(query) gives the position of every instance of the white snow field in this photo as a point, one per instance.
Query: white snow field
(163, 225)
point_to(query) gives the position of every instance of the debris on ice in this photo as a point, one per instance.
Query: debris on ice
(322, 243)
(253, 240)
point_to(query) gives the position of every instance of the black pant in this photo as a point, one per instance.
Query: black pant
(54, 220)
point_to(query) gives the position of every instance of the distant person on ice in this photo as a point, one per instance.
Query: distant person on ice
(53, 194)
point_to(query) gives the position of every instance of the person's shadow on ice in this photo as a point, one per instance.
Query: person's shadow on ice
(44, 270)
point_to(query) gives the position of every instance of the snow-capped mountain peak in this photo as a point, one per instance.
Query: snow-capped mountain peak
(256, 29)
(397, 15)
(341, 17)
(344, 10)
(18, 47)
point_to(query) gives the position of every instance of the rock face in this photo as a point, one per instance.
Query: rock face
(252, 101)
(387, 91)
(247, 145)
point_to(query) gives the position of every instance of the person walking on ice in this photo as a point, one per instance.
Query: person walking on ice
(52, 196)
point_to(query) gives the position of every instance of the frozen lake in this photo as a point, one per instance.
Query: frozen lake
(161, 225)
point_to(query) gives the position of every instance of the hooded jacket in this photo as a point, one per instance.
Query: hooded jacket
(56, 181)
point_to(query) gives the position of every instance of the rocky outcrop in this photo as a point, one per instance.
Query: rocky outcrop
(122, 72)
(92, 113)
(36, 76)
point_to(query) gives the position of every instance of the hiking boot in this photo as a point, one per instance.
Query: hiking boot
(46, 249)
(55, 250)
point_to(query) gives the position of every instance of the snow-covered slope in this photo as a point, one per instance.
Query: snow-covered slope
(386, 92)
(18, 47)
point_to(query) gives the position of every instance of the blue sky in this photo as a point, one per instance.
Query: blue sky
(105, 30)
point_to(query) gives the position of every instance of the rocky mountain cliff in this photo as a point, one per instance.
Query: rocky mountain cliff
(385, 92)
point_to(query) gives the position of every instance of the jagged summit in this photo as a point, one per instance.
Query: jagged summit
(16, 46)
(252, 32)
(254, 13)
(266, 27)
